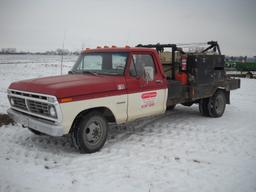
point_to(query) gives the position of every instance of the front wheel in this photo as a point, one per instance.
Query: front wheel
(91, 132)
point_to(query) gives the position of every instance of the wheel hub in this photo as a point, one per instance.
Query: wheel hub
(93, 132)
(219, 104)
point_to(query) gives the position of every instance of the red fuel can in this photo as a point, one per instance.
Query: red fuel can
(182, 77)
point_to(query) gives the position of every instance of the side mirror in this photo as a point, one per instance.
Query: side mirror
(149, 73)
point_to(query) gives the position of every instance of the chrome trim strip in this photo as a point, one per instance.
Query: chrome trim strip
(30, 98)
(38, 94)
(26, 103)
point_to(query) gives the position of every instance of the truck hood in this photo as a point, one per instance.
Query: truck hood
(70, 85)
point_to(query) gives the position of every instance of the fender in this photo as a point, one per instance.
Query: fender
(116, 104)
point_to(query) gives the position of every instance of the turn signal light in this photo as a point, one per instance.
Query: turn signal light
(65, 100)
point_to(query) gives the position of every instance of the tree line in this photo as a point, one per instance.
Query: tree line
(52, 52)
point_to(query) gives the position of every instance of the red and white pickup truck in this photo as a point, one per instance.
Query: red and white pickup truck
(119, 85)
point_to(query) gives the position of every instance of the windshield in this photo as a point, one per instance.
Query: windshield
(101, 63)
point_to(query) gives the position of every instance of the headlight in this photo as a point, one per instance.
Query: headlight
(51, 99)
(52, 111)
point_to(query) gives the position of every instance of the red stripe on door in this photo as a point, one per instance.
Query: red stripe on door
(149, 95)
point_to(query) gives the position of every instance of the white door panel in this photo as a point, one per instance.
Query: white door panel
(146, 103)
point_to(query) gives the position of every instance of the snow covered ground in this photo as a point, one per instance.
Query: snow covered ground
(178, 151)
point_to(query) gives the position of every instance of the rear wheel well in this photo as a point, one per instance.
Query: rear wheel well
(107, 113)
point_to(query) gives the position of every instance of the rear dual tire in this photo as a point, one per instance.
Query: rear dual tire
(213, 106)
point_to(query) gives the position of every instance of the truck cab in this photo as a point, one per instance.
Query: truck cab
(118, 85)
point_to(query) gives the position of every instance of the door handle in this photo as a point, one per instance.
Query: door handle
(159, 81)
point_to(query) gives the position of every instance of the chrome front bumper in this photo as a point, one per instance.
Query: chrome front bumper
(36, 124)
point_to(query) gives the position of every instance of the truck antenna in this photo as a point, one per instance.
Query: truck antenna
(62, 52)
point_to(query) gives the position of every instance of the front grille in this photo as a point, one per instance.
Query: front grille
(38, 107)
(30, 103)
(19, 103)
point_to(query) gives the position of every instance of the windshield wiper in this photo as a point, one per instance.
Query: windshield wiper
(90, 72)
(110, 73)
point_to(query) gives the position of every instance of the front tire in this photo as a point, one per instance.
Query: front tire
(91, 132)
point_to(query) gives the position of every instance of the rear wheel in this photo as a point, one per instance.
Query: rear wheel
(91, 133)
(213, 106)
(171, 107)
(217, 104)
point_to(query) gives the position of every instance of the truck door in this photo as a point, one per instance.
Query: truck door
(147, 90)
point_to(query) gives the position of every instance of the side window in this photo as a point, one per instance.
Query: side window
(143, 65)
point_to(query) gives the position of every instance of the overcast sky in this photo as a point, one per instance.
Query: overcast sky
(39, 25)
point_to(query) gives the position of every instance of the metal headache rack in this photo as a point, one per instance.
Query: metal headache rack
(206, 47)
(179, 47)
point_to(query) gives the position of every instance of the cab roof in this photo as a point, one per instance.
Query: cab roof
(118, 49)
